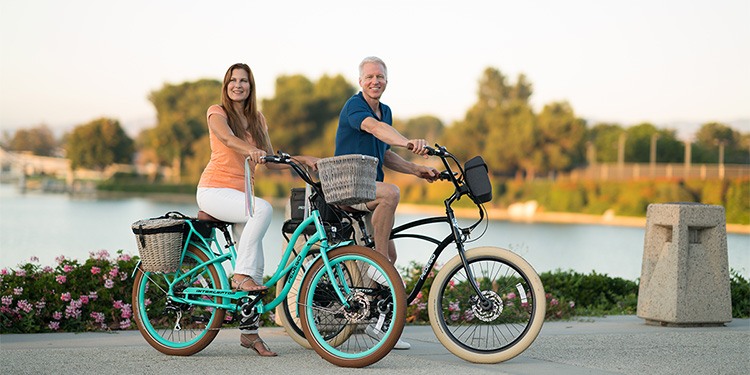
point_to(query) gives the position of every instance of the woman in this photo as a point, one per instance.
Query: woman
(237, 130)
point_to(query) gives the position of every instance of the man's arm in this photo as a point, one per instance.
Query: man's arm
(391, 136)
(395, 162)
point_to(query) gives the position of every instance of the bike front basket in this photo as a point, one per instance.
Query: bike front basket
(348, 179)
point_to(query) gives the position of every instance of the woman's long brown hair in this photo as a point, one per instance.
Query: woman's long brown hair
(250, 111)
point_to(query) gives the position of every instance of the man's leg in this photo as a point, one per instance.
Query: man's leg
(383, 209)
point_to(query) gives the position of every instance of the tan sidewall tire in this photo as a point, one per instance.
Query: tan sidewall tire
(539, 312)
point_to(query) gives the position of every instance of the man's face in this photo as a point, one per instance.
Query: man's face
(373, 80)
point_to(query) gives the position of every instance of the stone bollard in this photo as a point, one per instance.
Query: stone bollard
(685, 270)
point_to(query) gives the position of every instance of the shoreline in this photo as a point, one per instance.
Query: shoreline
(547, 217)
(524, 215)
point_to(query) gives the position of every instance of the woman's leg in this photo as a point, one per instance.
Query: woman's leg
(229, 205)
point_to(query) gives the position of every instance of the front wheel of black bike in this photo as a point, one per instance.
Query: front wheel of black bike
(501, 327)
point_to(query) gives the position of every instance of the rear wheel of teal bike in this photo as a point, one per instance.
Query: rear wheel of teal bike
(365, 328)
(177, 328)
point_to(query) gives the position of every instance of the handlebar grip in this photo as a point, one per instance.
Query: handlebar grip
(271, 159)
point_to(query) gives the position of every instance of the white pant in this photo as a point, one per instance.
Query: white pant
(229, 205)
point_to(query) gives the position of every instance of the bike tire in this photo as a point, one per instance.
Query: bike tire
(158, 323)
(502, 331)
(372, 304)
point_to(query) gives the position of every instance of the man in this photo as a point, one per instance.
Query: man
(365, 127)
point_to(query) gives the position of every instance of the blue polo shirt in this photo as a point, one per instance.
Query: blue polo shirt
(350, 139)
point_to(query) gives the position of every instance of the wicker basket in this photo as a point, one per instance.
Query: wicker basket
(159, 243)
(348, 179)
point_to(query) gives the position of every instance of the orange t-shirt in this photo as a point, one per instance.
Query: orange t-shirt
(226, 169)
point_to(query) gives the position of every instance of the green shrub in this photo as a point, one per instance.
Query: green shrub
(740, 289)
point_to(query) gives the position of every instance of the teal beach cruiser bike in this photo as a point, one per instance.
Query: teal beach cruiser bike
(344, 290)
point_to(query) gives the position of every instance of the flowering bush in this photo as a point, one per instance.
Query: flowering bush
(71, 297)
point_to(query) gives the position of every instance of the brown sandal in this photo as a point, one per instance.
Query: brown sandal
(250, 287)
(246, 343)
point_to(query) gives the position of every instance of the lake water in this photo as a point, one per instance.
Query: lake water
(50, 225)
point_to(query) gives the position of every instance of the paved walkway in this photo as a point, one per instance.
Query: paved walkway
(612, 345)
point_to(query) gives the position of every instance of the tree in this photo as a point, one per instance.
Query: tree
(605, 138)
(97, 144)
(181, 119)
(561, 137)
(38, 140)
(301, 113)
(501, 126)
(712, 135)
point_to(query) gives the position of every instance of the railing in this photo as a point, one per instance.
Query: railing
(649, 171)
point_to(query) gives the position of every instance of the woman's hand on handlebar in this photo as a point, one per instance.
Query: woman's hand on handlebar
(257, 156)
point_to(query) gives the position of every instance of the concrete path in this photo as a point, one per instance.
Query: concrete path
(611, 345)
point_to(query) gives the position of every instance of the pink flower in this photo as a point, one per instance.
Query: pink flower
(98, 317)
(102, 254)
(34, 259)
(41, 305)
(60, 259)
(572, 304)
(93, 296)
(127, 312)
(511, 295)
(61, 279)
(95, 270)
(72, 312)
(25, 305)
(7, 300)
(48, 269)
(54, 326)
(124, 257)
(4, 271)
(114, 272)
(125, 324)
(453, 306)
(109, 284)
(57, 315)
(20, 273)
(67, 268)
(117, 304)
(468, 315)
(455, 316)
(65, 296)
(18, 291)
(84, 299)
(553, 302)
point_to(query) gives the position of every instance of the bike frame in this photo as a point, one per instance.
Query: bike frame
(217, 256)
(457, 232)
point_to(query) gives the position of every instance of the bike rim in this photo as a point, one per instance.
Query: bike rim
(497, 279)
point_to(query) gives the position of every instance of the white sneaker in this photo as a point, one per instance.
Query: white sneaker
(371, 331)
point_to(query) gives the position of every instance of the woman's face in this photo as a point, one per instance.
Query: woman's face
(238, 88)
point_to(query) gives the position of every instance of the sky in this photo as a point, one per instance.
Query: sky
(674, 63)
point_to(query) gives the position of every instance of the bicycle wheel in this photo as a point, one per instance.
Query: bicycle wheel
(365, 331)
(176, 328)
(507, 325)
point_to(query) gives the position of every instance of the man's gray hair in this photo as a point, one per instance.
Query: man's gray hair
(375, 60)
